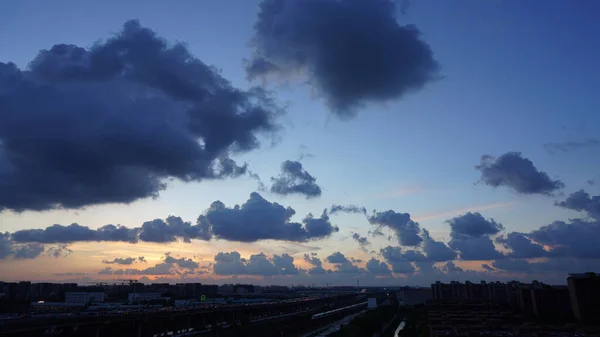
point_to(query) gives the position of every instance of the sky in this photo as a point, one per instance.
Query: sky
(299, 141)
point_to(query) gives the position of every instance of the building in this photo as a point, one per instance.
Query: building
(441, 291)
(142, 297)
(210, 290)
(414, 296)
(42, 306)
(584, 291)
(85, 297)
(243, 289)
(552, 302)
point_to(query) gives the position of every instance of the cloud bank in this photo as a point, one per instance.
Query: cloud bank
(256, 219)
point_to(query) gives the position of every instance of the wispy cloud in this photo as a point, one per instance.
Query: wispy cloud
(399, 192)
(435, 215)
(570, 146)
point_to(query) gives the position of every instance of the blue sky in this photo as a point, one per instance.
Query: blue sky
(516, 75)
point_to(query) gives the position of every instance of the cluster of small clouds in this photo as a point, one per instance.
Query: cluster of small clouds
(472, 236)
(125, 260)
(29, 250)
(293, 179)
(168, 266)
(256, 219)
(53, 156)
(258, 264)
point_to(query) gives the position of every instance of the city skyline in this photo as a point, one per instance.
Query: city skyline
(299, 142)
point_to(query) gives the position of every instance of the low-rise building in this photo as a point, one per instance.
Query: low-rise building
(141, 297)
(85, 297)
(41, 307)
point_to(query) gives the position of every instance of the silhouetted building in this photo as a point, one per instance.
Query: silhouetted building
(143, 297)
(441, 291)
(413, 296)
(243, 288)
(552, 302)
(584, 291)
(476, 291)
(210, 290)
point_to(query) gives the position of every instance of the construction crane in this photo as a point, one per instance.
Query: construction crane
(130, 281)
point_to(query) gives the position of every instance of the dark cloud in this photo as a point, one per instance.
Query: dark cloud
(258, 264)
(171, 229)
(561, 266)
(581, 201)
(399, 261)
(355, 260)
(435, 250)
(352, 51)
(571, 146)
(473, 225)
(451, 268)
(184, 263)
(475, 248)
(377, 267)
(76, 233)
(113, 123)
(362, 241)
(317, 265)
(6, 245)
(259, 219)
(106, 271)
(162, 268)
(295, 180)
(343, 264)
(59, 250)
(124, 260)
(28, 251)
(406, 231)
(576, 238)
(521, 246)
(347, 209)
(337, 257)
(519, 173)
(229, 264)
(470, 236)
(285, 264)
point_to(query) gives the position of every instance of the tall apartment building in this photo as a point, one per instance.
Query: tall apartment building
(584, 290)
(413, 296)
